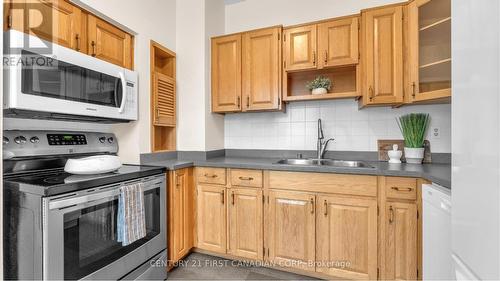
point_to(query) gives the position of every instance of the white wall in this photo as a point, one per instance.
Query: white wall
(249, 14)
(353, 129)
(197, 21)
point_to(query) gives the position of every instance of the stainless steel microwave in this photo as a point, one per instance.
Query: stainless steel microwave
(44, 80)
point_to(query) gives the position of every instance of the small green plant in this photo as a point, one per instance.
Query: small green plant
(319, 82)
(413, 127)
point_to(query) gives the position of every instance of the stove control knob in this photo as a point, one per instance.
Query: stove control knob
(5, 140)
(34, 140)
(20, 140)
(111, 139)
(102, 139)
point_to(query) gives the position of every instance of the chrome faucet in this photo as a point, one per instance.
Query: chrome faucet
(322, 145)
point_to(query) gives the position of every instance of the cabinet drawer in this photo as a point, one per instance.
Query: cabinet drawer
(401, 188)
(211, 175)
(250, 178)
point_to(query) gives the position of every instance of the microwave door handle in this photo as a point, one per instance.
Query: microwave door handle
(124, 91)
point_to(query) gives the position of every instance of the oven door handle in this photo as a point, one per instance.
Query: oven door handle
(76, 199)
(124, 91)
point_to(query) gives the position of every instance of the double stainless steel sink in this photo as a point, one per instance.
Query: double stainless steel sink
(325, 162)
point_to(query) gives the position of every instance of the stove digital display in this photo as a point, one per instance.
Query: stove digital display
(57, 139)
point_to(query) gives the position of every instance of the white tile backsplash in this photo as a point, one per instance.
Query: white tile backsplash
(353, 129)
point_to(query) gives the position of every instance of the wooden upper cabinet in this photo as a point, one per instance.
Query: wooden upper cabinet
(428, 41)
(338, 42)
(56, 21)
(163, 100)
(382, 55)
(347, 231)
(211, 218)
(226, 73)
(245, 223)
(109, 43)
(261, 69)
(291, 229)
(400, 241)
(300, 48)
(181, 217)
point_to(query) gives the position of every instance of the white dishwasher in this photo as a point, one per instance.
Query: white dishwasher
(437, 261)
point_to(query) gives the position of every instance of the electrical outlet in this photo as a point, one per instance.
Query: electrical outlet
(436, 132)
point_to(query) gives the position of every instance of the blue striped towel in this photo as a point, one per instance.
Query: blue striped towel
(131, 220)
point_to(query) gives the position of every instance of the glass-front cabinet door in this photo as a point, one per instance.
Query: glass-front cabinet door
(429, 50)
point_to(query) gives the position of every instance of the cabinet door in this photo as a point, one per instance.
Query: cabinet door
(109, 43)
(338, 42)
(300, 48)
(400, 241)
(57, 21)
(428, 60)
(245, 223)
(164, 100)
(383, 56)
(347, 237)
(180, 213)
(226, 73)
(291, 229)
(211, 218)
(261, 69)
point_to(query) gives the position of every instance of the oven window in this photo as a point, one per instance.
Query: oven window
(70, 82)
(90, 235)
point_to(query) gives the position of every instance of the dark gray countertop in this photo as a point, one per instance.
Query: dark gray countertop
(437, 173)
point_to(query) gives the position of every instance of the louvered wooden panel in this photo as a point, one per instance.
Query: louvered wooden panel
(164, 106)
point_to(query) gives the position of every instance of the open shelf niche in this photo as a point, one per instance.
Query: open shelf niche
(345, 83)
(435, 46)
(163, 111)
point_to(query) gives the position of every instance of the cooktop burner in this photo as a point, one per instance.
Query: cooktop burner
(51, 182)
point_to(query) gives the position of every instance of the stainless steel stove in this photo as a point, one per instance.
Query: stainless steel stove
(63, 226)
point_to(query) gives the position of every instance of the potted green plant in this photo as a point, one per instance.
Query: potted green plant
(413, 126)
(319, 86)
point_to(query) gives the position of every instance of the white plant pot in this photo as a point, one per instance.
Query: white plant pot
(414, 155)
(319, 91)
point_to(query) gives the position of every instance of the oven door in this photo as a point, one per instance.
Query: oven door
(79, 233)
(67, 82)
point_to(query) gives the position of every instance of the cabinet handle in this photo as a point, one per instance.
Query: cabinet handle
(77, 38)
(312, 205)
(326, 208)
(248, 101)
(413, 89)
(246, 178)
(326, 57)
(314, 57)
(93, 48)
(239, 102)
(402, 188)
(210, 176)
(391, 214)
(223, 194)
(370, 93)
(232, 197)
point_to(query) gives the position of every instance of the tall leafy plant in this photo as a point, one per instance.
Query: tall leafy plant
(413, 127)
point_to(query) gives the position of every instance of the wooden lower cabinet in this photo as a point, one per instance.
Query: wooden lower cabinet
(211, 219)
(291, 230)
(400, 241)
(245, 223)
(346, 239)
(181, 215)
